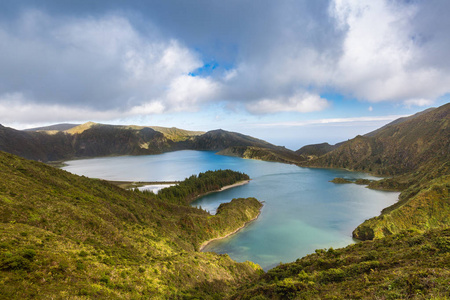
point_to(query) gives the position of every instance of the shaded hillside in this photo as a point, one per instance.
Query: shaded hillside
(396, 149)
(104, 140)
(86, 140)
(92, 139)
(36, 145)
(404, 266)
(63, 235)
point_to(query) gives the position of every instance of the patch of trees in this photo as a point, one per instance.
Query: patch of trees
(194, 186)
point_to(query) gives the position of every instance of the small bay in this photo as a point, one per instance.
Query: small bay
(302, 210)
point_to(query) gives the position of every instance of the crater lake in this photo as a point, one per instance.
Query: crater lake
(302, 210)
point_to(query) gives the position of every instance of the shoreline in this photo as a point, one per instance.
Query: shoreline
(233, 185)
(239, 183)
(205, 243)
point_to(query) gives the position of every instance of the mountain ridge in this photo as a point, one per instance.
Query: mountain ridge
(93, 139)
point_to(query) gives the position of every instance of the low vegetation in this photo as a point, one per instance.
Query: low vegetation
(409, 265)
(65, 236)
(424, 203)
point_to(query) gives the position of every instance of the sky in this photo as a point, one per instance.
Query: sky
(292, 72)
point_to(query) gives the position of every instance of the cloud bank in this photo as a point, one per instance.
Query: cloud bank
(125, 59)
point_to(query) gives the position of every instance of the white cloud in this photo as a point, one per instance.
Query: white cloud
(186, 92)
(139, 62)
(299, 102)
(417, 102)
(380, 55)
(15, 109)
(149, 108)
(93, 65)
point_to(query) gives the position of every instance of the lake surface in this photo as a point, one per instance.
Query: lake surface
(302, 210)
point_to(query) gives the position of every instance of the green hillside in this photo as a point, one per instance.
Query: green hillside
(415, 153)
(396, 149)
(68, 236)
(409, 265)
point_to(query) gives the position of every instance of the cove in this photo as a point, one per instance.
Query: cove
(302, 210)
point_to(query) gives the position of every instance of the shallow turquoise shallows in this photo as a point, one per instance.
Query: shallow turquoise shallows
(302, 210)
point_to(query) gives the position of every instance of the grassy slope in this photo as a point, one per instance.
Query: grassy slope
(423, 204)
(404, 266)
(63, 235)
(397, 149)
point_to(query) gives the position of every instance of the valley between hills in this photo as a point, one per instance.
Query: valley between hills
(67, 236)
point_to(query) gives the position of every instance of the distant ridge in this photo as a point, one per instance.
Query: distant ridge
(93, 139)
(397, 148)
(56, 127)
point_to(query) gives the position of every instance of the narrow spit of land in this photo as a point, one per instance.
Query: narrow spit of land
(234, 185)
(136, 184)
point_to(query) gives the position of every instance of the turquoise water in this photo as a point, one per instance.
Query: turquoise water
(302, 210)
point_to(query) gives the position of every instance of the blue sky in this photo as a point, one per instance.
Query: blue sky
(290, 72)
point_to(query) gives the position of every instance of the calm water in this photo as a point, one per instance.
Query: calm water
(302, 210)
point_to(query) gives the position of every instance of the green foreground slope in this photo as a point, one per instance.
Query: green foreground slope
(409, 265)
(63, 235)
